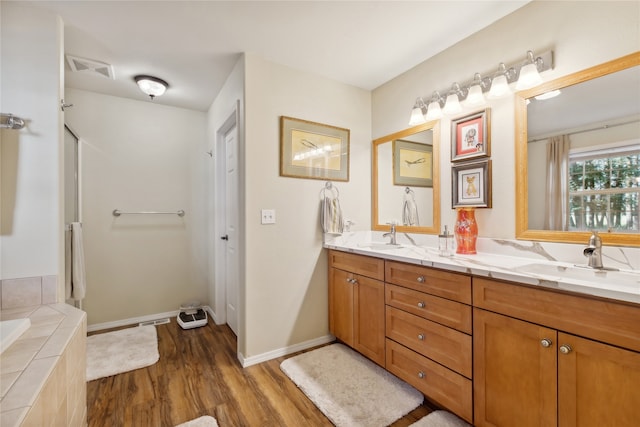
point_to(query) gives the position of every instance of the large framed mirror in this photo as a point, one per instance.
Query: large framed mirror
(406, 180)
(578, 154)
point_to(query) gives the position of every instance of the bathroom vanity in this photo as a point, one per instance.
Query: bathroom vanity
(497, 349)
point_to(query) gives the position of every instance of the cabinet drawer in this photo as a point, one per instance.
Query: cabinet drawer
(446, 346)
(602, 320)
(359, 264)
(441, 310)
(452, 286)
(437, 383)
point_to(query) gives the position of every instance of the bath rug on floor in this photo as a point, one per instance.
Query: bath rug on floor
(350, 389)
(440, 419)
(205, 421)
(120, 351)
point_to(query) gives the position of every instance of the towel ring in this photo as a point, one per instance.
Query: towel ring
(330, 187)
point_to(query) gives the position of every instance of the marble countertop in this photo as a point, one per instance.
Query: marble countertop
(620, 284)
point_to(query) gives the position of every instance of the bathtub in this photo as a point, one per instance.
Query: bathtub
(10, 331)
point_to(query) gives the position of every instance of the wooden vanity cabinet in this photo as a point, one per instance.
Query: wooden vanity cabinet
(545, 358)
(428, 329)
(356, 303)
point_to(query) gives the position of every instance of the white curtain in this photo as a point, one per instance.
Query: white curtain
(557, 184)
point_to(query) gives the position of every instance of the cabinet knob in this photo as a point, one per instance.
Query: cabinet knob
(421, 374)
(421, 337)
(565, 349)
(421, 279)
(421, 304)
(546, 343)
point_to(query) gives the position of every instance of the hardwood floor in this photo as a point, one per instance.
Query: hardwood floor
(198, 374)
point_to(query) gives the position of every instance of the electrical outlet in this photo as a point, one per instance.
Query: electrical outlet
(268, 216)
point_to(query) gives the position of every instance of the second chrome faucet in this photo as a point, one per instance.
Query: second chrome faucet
(391, 234)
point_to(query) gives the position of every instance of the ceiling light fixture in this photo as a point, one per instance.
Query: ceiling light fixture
(150, 85)
(525, 74)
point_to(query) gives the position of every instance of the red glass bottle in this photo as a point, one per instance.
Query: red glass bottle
(466, 231)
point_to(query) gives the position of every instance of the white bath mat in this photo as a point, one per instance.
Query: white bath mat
(120, 351)
(440, 419)
(350, 389)
(205, 421)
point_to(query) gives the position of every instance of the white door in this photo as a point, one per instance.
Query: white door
(231, 227)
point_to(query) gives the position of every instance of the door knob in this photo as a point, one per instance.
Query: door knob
(421, 279)
(565, 349)
(546, 343)
(421, 304)
(225, 237)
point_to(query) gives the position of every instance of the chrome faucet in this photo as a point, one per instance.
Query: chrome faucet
(391, 234)
(594, 251)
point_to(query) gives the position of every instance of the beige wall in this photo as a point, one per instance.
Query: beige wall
(285, 299)
(581, 34)
(30, 159)
(141, 156)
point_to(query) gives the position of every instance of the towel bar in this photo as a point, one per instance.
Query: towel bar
(118, 212)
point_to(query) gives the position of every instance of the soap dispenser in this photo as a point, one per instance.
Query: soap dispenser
(445, 243)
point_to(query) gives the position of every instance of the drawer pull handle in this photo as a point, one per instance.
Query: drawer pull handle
(421, 304)
(421, 279)
(546, 343)
(421, 374)
(565, 349)
(421, 337)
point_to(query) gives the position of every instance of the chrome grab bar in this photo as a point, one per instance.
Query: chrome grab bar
(118, 212)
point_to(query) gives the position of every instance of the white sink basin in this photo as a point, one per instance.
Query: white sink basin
(623, 281)
(379, 246)
(10, 331)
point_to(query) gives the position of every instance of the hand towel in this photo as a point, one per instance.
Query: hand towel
(331, 216)
(410, 212)
(67, 262)
(78, 279)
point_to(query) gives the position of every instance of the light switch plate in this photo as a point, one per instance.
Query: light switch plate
(268, 216)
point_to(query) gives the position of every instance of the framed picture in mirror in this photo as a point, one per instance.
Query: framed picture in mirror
(471, 184)
(412, 164)
(471, 136)
(313, 150)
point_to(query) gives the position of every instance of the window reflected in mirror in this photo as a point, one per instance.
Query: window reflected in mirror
(579, 143)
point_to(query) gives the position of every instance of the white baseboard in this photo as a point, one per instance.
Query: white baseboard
(136, 320)
(254, 360)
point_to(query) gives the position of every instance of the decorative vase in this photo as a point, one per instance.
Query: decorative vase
(466, 231)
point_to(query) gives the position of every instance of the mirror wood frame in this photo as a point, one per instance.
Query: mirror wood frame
(434, 126)
(522, 195)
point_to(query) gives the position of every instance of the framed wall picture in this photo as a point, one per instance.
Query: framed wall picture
(412, 164)
(471, 184)
(471, 136)
(313, 150)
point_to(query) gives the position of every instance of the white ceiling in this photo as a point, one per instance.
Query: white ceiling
(194, 45)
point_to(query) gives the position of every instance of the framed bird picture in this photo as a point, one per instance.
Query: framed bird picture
(412, 163)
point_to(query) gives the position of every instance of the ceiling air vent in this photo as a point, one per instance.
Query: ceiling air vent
(89, 66)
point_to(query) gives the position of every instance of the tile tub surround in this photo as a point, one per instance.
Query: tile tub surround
(43, 374)
(498, 259)
(28, 291)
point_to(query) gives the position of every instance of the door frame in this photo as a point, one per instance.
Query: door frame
(220, 274)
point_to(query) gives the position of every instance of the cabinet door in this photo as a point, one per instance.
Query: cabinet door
(598, 384)
(341, 305)
(515, 378)
(368, 323)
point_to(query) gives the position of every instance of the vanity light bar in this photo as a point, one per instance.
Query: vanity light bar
(460, 92)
